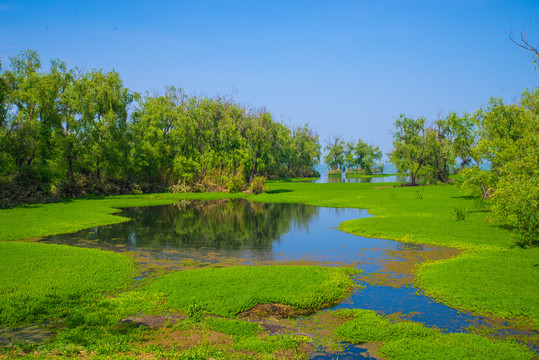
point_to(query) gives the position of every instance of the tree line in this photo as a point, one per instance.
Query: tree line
(66, 133)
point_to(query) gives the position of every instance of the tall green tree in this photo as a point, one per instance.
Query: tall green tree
(105, 111)
(363, 157)
(410, 152)
(508, 142)
(335, 156)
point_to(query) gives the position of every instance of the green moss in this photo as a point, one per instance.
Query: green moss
(41, 280)
(228, 291)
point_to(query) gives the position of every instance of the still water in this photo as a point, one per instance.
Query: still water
(216, 231)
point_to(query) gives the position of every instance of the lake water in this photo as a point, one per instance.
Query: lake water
(388, 169)
(216, 231)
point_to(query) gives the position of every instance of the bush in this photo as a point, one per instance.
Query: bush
(257, 186)
(236, 183)
(355, 172)
(335, 172)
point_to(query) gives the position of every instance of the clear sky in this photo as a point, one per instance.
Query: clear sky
(344, 67)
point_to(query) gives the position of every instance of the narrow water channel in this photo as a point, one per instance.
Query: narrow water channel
(218, 231)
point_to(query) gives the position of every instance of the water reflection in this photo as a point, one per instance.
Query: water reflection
(212, 231)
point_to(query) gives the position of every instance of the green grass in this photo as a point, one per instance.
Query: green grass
(233, 327)
(40, 280)
(410, 340)
(229, 291)
(269, 344)
(504, 283)
(368, 326)
(454, 346)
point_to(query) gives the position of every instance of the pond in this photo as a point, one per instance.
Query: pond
(239, 230)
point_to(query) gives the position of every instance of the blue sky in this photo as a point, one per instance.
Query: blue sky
(345, 67)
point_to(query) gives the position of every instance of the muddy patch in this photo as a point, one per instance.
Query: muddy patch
(34, 334)
(153, 321)
(398, 269)
(278, 311)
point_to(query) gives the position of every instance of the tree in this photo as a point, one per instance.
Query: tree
(363, 157)
(410, 152)
(335, 153)
(105, 104)
(508, 141)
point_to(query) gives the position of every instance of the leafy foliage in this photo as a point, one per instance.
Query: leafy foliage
(257, 185)
(508, 141)
(431, 153)
(358, 158)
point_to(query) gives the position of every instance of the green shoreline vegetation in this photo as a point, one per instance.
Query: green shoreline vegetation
(422, 215)
(489, 278)
(402, 339)
(354, 174)
(41, 281)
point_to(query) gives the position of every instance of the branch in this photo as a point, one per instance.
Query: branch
(524, 43)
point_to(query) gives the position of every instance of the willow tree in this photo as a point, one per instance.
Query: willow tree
(410, 152)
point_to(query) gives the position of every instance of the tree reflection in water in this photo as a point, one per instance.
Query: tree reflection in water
(231, 226)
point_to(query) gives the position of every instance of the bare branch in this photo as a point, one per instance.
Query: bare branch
(523, 43)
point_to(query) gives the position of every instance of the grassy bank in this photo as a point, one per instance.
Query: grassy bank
(40, 281)
(400, 339)
(229, 291)
(505, 282)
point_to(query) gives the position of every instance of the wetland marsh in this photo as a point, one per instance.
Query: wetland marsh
(193, 235)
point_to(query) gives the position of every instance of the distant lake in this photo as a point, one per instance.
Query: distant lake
(388, 169)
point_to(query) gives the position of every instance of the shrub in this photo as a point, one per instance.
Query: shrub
(236, 183)
(335, 172)
(257, 185)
